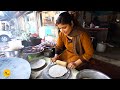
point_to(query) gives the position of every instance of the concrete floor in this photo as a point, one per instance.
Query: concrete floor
(111, 55)
(110, 52)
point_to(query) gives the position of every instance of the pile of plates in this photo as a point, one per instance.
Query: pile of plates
(36, 67)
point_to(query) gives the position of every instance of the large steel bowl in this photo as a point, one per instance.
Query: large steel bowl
(14, 53)
(91, 74)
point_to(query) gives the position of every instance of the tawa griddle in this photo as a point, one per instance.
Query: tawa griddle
(18, 68)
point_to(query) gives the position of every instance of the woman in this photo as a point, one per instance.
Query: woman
(73, 44)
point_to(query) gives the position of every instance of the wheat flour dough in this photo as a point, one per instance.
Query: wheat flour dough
(57, 71)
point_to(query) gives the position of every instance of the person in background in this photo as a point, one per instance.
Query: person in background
(73, 45)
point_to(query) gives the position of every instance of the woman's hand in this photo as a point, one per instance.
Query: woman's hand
(72, 65)
(54, 58)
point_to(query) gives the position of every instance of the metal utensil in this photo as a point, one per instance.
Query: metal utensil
(91, 74)
(14, 53)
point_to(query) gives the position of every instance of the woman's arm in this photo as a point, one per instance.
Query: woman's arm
(60, 44)
(87, 46)
(55, 58)
(59, 47)
(73, 65)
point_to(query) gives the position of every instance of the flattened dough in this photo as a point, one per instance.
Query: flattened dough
(38, 64)
(57, 71)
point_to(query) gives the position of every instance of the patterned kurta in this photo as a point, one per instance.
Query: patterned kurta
(68, 54)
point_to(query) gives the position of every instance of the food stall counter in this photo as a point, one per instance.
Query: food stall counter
(48, 61)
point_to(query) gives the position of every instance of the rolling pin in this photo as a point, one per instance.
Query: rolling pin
(63, 63)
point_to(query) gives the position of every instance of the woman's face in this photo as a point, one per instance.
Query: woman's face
(65, 28)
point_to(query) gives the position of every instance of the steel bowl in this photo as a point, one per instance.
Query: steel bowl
(14, 53)
(91, 74)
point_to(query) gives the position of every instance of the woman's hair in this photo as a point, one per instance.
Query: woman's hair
(65, 18)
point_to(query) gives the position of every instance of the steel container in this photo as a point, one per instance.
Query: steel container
(14, 53)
